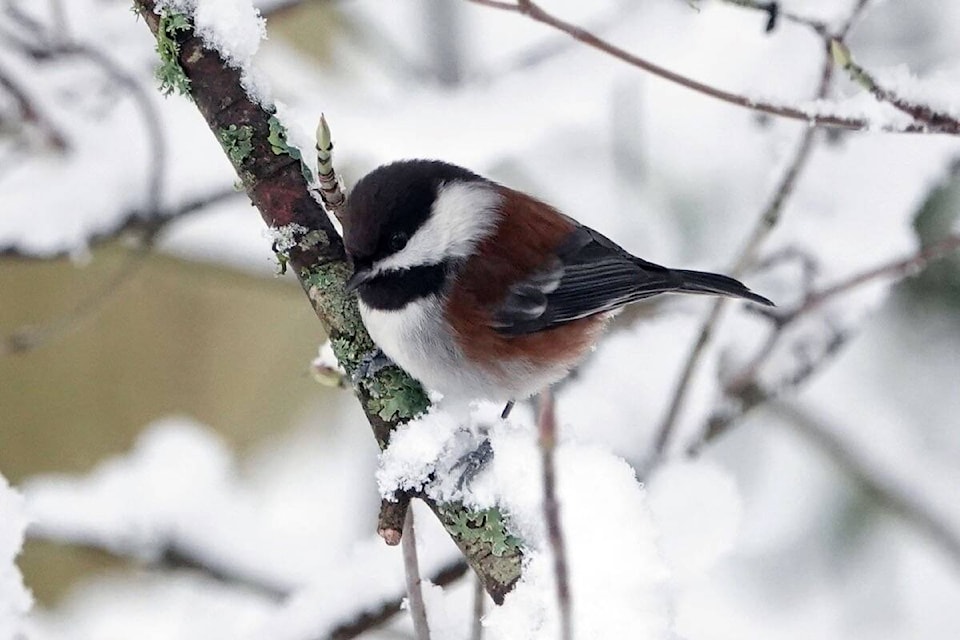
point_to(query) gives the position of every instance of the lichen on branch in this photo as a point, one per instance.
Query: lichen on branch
(278, 182)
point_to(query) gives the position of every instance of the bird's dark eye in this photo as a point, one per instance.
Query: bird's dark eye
(398, 240)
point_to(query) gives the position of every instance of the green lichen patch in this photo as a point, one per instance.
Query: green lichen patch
(392, 394)
(170, 73)
(279, 144)
(237, 142)
(485, 526)
(395, 396)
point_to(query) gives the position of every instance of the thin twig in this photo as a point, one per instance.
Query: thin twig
(479, 600)
(765, 224)
(137, 222)
(547, 425)
(743, 385)
(373, 619)
(53, 46)
(898, 268)
(31, 113)
(418, 610)
(535, 12)
(174, 556)
(892, 495)
(753, 395)
(852, 18)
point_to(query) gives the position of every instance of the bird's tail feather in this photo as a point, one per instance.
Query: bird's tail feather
(716, 284)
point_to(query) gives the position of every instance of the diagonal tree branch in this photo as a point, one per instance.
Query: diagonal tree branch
(273, 176)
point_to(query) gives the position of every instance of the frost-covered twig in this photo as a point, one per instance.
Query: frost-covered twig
(533, 11)
(547, 427)
(896, 269)
(891, 493)
(765, 224)
(899, 268)
(744, 386)
(938, 120)
(276, 180)
(411, 566)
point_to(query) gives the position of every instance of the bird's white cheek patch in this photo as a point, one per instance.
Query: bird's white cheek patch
(463, 214)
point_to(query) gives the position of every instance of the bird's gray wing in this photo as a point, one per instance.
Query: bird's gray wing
(589, 274)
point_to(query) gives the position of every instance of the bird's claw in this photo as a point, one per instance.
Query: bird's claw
(473, 462)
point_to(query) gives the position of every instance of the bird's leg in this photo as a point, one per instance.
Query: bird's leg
(372, 362)
(473, 462)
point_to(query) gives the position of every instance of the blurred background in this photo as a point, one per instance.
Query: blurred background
(148, 339)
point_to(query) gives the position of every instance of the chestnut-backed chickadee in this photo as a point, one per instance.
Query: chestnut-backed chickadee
(483, 292)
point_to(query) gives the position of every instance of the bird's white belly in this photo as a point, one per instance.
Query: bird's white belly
(417, 338)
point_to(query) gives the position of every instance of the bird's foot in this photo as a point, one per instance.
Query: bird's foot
(472, 463)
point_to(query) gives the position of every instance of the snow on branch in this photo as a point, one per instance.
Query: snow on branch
(15, 600)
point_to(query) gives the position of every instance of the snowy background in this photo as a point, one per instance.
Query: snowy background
(831, 513)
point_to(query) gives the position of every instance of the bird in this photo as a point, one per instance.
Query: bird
(483, 292)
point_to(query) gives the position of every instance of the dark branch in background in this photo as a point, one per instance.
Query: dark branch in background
(44, 45)
(31, 112)
(173, 556)
(547, 428)
(273, 175)
(138, 223)
(147, 230)
(890, 494)
(533, 11)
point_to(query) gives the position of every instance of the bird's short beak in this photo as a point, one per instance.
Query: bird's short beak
(360, 275)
